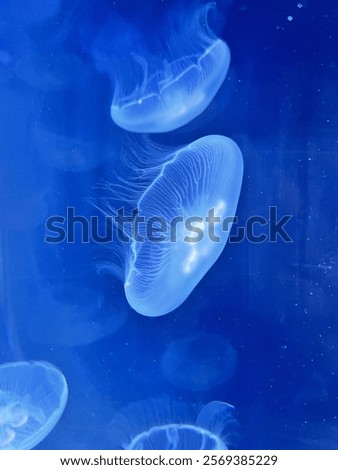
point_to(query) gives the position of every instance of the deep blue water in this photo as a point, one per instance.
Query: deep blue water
(274, 304)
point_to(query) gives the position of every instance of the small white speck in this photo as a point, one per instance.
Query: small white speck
(290, 18)
(300, 5)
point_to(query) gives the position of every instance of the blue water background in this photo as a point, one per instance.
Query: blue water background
(276, 303)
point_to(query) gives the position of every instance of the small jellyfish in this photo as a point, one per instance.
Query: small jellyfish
(33, 396)
(28, 14)
(165, 90)
(49, 71)
(199, 362)
(72, 129)
(15, 44)
(21, 211)
(60, 319)
(165, 425)
(184, 207)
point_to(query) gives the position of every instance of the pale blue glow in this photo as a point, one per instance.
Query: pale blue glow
(165, 425)
(186, 182)
(177, 86)
(33, 396)
(199, 362)
(28, 13)
(69, 321)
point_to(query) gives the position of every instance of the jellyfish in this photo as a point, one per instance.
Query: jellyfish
(71, 129)
(164, 90)
(19, 211)
(28, 14)
(60, 319)
(15, 44)
(33, 396)
(199, 362)
(169, 246)
(165, 425)
(48, 71)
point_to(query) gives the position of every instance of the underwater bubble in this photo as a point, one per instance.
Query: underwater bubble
(199, 362)
(171, 249)
(166, 425)
(33, 396)
(166, 89)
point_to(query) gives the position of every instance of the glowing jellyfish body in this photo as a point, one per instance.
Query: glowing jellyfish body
(176, 84)
(161, 425)
(199, 362)
(33, 396)
(192, 183)
(175, 95)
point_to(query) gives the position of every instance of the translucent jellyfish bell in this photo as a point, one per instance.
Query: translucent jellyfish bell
(173, 85)
(164, 425)
(33, 396)
(199, 362)
(176, 197)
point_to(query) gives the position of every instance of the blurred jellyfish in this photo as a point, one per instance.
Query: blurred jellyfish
(165, 425)
(33, 396)
(48, 71)
(64, 320)
(14, 46)
(22, 192)
(25, 14)
(21, 213)
(199, 362)
(169, 249)
(71, 129)
(165, 90)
